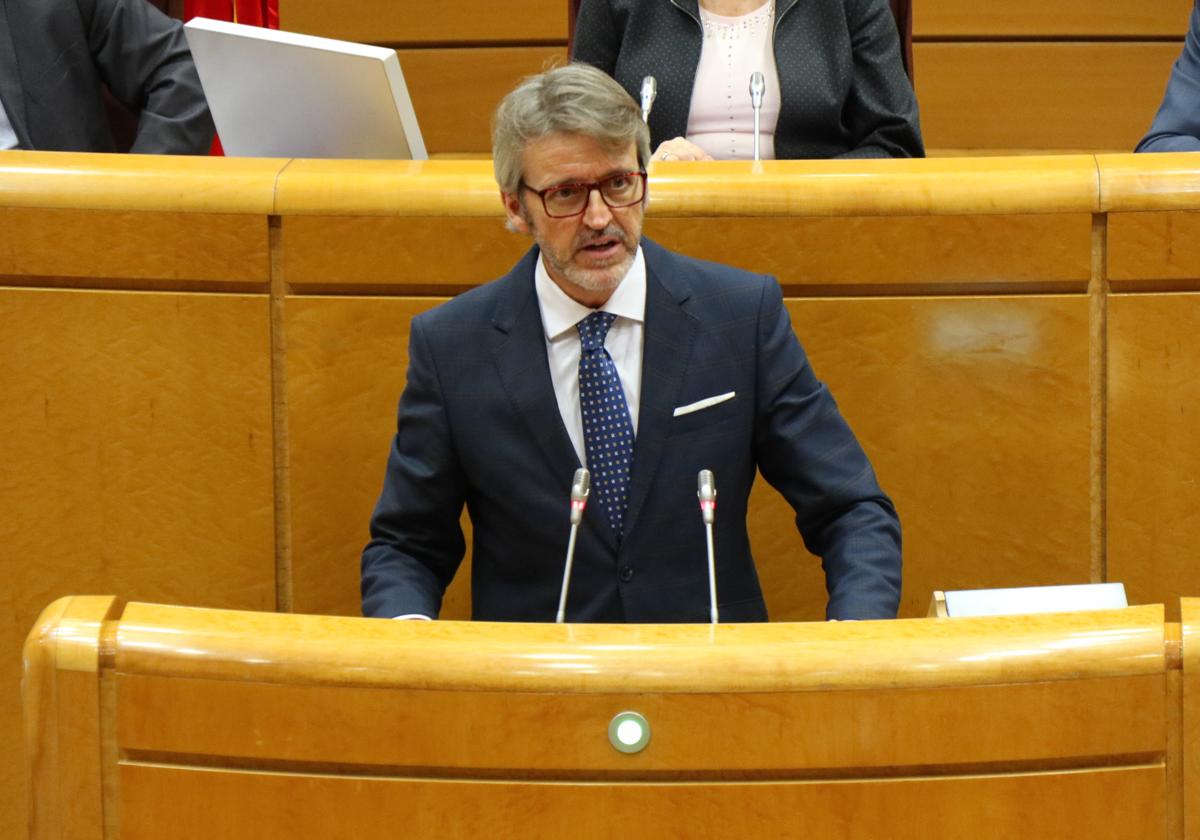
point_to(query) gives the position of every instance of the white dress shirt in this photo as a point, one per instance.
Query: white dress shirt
(8, 137)
(560, 314)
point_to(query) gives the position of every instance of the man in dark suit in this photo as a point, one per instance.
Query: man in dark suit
(54, 55)
(1176, 127)
(604, 349)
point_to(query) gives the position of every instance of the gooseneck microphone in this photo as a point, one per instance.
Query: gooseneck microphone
(579, 496)
(758, 87)
(707, 493)
(649, 91)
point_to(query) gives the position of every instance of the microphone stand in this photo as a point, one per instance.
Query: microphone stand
(579, 495)
(707, 494)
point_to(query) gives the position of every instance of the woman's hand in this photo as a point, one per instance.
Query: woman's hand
(677, 148)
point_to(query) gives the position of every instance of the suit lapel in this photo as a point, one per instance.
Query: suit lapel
(10, 80)
(669, 334)
(518, 345)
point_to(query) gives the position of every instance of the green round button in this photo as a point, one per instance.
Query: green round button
(629, 732)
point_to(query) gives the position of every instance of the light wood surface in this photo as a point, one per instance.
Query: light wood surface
(454, 90)
(1157, 182)
(160, 183)
(934, 19)
(1153, 448)
(472, 21)
(269, 725)
(949, 316)
(1154, 251)
(1189, 609)
(1016, 95)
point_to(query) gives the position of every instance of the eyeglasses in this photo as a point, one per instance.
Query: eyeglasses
(565, 200)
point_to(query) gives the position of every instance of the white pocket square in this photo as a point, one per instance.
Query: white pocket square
(707, 402)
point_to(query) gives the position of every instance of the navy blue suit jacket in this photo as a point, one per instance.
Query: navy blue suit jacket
(479, 424)
(1176, 127)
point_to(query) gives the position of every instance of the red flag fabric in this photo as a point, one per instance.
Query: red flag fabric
(250, 12)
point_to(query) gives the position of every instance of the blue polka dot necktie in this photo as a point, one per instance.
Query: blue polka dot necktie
(607, 429)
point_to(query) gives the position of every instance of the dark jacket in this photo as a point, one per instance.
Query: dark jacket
(55, 53)
(843, 87)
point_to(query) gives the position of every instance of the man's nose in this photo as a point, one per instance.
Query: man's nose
(597, 214)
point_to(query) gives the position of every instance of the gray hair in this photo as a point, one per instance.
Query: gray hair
(575, 99)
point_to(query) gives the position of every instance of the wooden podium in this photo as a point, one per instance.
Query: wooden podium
(148, 721)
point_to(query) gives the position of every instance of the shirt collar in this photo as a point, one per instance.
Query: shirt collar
(560, 313)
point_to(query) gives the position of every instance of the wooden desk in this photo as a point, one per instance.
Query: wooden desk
(193, 723)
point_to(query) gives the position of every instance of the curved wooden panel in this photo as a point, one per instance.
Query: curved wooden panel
(946, 186)
(164, 183)
(1149, 182)
(252, 722)
(61, 694)
(483, 656)
(237, 805)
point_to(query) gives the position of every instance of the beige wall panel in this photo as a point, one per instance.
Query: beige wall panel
(1147, 247)
(136, 460)
(870, 253)
(324, 252)
(346, 362)
(1061, 95)
(197, 804)
(1115, 18)
(1153, 446)
(900, 252)
(454, 91)
(975, 413)
(387, 22)
(159, 247)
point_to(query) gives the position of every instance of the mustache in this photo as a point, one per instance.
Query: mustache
(612, 231)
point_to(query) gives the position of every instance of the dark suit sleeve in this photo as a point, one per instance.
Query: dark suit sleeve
(143, 57)
(881, 112)
(1176, 127)
(416, 541)
(806, 450)
(597, 40)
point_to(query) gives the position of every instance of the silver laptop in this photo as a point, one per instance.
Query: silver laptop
(280, 94)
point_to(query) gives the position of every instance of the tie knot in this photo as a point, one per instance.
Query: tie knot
(593, 329)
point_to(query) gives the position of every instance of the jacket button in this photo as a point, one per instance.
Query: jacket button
(626, 574)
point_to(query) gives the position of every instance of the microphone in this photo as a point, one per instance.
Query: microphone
(649, 91)
(707, 493)
(580, 487)
(758, 87)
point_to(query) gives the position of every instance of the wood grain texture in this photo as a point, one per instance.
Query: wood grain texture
(1189, 614)
(62, 710)
(278, 722)
(238, 805)
(1153, 448)
(934, 19)
(974, 412)
(473, 21)
(1147, 251)
(346, 363)
(146, 249)
(942, 187)
(455, 90)
(1061, 95)
(1169, 181)
(876, 255)
(163, 183)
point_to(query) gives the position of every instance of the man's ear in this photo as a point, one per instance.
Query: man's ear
(515, 213)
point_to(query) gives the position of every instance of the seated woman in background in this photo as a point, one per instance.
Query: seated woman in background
(835, 82)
